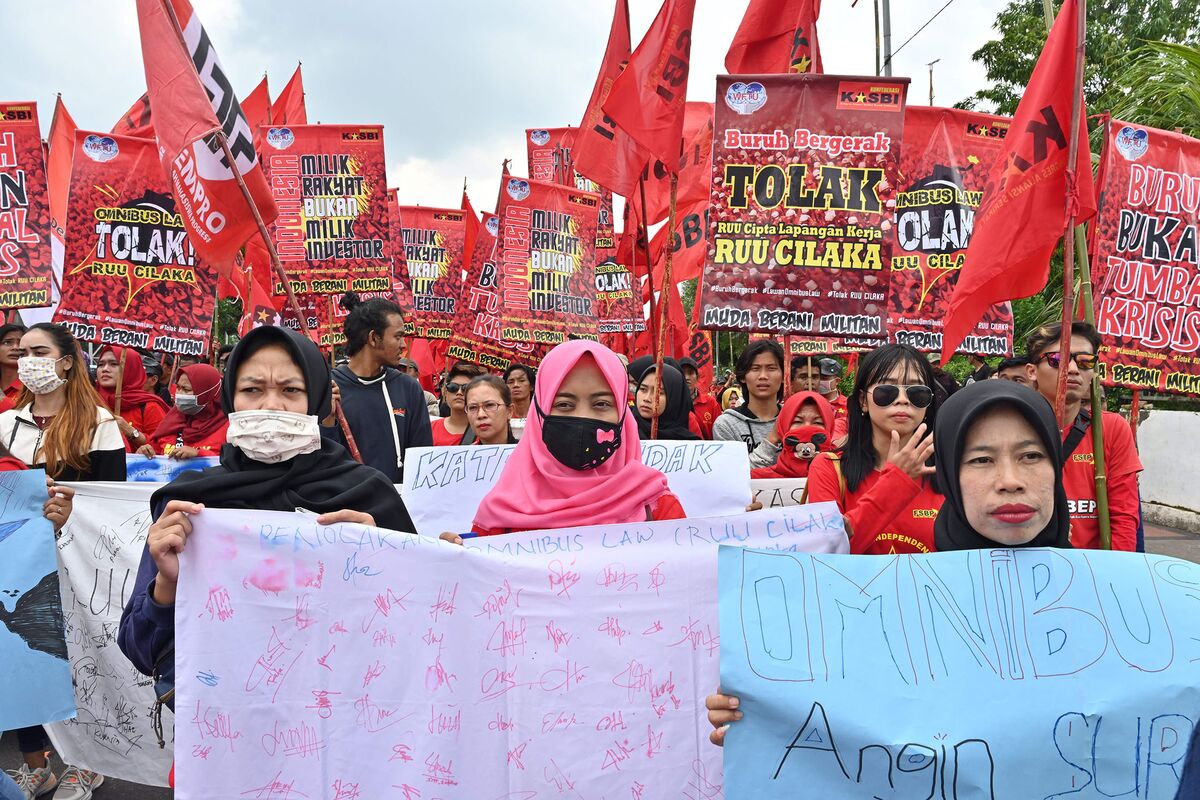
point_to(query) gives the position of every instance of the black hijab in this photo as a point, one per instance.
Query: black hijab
(951, 531)
(673, 422)
(319, 482)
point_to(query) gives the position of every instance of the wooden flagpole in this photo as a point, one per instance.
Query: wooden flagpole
(664, 302)
(120, 381)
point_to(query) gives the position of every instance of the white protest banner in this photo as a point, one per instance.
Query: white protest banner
(98, 554)
(778, 492)
(373, 664)
(443, 486)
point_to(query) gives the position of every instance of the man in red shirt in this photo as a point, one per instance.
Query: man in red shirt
(705, 407)
(1120, 453)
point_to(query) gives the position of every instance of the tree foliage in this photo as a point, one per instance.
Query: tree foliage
(1162, 88)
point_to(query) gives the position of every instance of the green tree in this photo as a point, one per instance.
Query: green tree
(1163, 81)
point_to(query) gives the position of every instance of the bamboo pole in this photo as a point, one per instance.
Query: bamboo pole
(664, 301)
(120, 382)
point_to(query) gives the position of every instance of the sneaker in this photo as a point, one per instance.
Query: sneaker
(33, 782)
(77, 784)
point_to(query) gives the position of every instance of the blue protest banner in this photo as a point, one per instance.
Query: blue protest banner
(35, 678)
(995, 674)
(160, 469)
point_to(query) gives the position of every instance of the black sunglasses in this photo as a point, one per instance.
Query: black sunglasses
(454, 388)
(919, 395)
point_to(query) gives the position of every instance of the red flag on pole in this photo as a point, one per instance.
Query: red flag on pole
(1025, 203)
(288, 108)
(695, 168)
(136, 121)
(257, 108)
(647, 99)
(776, 36)
(193, 105)
(58, 167)
(602, 151)
(472, 224)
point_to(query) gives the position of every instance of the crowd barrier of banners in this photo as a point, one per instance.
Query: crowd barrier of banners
(24, 210)
(99, 550)
(131, 276)
(987, 674)
(332, 233)
(429, 261)
(549, 154)
(1146, 260)
(377, 664)
(443, 486)
(799, 238)
(944, 164)
(35, 677)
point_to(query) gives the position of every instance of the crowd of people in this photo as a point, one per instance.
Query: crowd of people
(915, 465)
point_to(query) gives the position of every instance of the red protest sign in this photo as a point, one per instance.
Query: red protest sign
(131, 276)
(478, 325)
(332, 232)
(946, 159)
(618, 308)
(551, 161)
(804, 174)
(24, 210)
(1146, 261)
(430, 262)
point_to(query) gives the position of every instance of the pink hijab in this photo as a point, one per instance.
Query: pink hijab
(536, 491)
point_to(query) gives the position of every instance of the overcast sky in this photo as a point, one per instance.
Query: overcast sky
(454, 82)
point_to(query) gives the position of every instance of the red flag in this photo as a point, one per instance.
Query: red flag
(258, 307)
(192, 103)
(602, 151)
(647, 99)
(288, 108)
(58, 167)
(257, 108)
(695, 168)
(1025, 204)
(136, 121)
(472, 220)
(776, 36)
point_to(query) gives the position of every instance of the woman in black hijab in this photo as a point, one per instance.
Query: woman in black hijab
(276, 389)
(999, 460)
(675, 404)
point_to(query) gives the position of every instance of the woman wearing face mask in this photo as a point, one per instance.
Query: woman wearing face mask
(489, 405)
(196, 426)
(881, 482)
(671, 405)
(579, 462)
(276, 388)
(59, 422)
(141, 412)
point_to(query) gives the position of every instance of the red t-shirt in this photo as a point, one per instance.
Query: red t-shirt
(889, 512)
(841, 420)
(665, 507)
(443, 437)
(707, 409)
(145, 418)
(1122, 466)
(209, 446)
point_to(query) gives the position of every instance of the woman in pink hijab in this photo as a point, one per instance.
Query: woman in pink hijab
(579, 461)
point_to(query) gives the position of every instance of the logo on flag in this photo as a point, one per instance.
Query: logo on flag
(746, 98)
(518, 189)
(1132, 143)
(100, 148)
(863, 96)
(493, 225)
(280, 138)
(539, 137)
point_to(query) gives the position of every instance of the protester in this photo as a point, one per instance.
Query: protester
(730, 398)
(704, 405)
(520, 380)
(832, 372)
(580, 461)
(981, 369)
(138, 412)
(760, 374)
(384, 408)
(455, 428)
(997, 450)
(277, 388)
(805, 374)
(1121, 461)
(10, 352)
(1013, 369)
(154, 379)
(412, 370)
(197, 426)
(489, 410)
(803, 429)
(882, 482)
(670, 406)
(223, 357)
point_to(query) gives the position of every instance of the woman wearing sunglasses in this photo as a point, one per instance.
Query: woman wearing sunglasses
(882, 481)
(456, 428)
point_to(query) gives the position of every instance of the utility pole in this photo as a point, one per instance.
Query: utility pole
(885, 13)
(930, 65)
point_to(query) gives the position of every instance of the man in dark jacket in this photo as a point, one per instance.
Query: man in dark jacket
(385, 408)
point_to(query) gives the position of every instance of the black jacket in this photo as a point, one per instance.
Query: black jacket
(387, 415)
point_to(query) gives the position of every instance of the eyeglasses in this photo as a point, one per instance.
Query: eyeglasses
(454, 388)
(1082, 360)
(489, 408)
(919, 395)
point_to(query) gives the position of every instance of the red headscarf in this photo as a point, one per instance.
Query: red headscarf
(133, 382)
(789, 465)
(206, 385)
(537, 491)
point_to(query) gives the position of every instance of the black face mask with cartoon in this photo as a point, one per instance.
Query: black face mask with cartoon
(580, 443)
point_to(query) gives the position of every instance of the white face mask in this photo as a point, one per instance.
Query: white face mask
(39, 373)
(273, 436)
